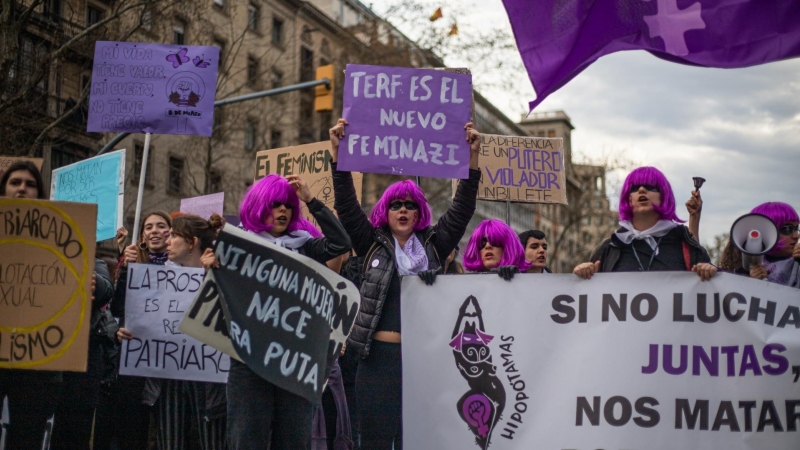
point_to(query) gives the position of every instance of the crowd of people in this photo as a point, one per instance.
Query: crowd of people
(362, 407)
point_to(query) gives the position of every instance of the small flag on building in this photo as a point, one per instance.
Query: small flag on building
(436, 15)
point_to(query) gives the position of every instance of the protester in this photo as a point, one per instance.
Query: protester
(781, 263)
(126, 416)
(451, 264)
(535, 244)
(494, 246)
(397, 239)
(650, 237)
(258, 411)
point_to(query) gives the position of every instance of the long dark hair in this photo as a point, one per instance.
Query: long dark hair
(23, 165)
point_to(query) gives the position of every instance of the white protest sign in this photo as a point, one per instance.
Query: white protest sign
(657, 361)
(157, 297)
(205, 205)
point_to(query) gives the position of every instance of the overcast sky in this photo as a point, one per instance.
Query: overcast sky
(739, 129)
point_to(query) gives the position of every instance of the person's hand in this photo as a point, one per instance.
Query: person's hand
(705, 271)
(429, 276)
(695, 204)
(209, 260)
(506, 272)
(337, 134)
(301, 187)
(759, 272)
(473, 137)
(124, 334)
(94, 285)
(586, 270)
(122, 235)
(131, 253)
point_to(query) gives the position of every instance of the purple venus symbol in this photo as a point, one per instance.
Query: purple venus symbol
(477, 410)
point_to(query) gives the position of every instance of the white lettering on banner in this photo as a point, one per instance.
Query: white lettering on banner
(654, 360)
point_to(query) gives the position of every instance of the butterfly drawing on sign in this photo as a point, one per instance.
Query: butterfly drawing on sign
(177, 59)
(200, 62)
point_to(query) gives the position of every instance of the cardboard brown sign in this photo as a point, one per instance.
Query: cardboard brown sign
(522, 169)
(312, 162)
(7, 161)
(46, 272)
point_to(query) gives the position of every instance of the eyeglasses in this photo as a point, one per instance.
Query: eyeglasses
(485, 241)
(647, 187)
(789, 229)
(276, 205)
(395, 206)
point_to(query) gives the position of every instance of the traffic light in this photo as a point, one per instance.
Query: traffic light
(324, 94)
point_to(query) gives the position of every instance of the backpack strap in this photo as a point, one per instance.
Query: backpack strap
(686, 258)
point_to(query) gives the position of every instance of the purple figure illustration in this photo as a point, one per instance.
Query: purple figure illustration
(185, 90)
(482, 405)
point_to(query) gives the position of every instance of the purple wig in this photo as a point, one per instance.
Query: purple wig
(257, 203)
(305, 225)
(499, 235)
(780, 213)
(654, 177)
(399, 191)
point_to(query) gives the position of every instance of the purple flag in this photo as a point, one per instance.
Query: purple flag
(406, 121)
(156, 88)
(560, 38)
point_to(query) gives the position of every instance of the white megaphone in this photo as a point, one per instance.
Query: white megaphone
(754, 235)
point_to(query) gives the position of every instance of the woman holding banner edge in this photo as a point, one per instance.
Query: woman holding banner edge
(397, 239)
(494, 246)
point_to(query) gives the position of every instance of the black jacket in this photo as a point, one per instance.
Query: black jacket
(609, 251)
(376, 245)
(335, 242)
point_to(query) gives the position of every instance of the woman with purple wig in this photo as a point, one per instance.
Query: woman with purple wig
(396, 240)
(782, 263)
(260, 414)
(495, 246)
(651, 237)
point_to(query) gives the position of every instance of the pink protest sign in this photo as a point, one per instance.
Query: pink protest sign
(204, 206)
(406, 121)
(153, 88)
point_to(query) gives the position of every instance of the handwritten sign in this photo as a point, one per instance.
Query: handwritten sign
(153, 88)
(406, 121)
(156, 299)
(46, 271)
(7, 161)
(312, 162)
(205, 320)
(99, 180)
(288, 315)
(522, 169)
(205, 205)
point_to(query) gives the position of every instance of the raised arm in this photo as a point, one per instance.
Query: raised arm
(336, 241)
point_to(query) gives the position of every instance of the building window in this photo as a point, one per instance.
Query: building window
(252, 71)
(306, 65)
(277, 78)
(52, 8)
(551, 133)
(138, 153)
(277, 32)
(587, 220)
(179, 32)
(215, 182)
(325, 48)
(175, 181)
(275, 139)
(253, 17)
(93, 15)
(306, 35)
(250, 133)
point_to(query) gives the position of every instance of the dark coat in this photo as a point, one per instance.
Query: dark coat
(609, 251)
(376, 245)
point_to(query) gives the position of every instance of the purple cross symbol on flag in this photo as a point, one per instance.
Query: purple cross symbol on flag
(558, 39)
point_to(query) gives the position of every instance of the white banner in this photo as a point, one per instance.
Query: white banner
(657, 361)
(157, 297)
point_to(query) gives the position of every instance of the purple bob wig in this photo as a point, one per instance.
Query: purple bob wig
(781, 214)
(499, 235)
(654, 177)
(305, 225)
(257, 203)
(399, 191)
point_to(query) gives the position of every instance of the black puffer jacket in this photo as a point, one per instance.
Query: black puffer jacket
(609, 251)
(377, 247)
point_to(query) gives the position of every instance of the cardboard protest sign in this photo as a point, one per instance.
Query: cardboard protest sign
(406, 121)
(205, 320)
(7, 161)
(153, 88)
(522, 169)
(204, 205)
(46, 271)
(99, 180)
(656, 360)
(312, 162)
(288, 316)
(156, 299)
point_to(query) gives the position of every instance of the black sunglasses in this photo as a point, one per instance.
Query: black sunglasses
(647, 187)
(485, 241)
(789, 229)
(395, 206)
(276, 205)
